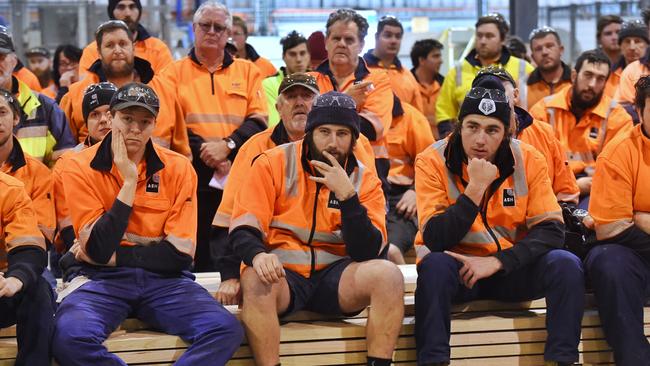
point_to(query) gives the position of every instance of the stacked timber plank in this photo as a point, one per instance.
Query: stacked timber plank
(483, 333)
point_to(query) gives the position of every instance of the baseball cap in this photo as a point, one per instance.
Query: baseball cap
(136, 95)
(38, 51)
(299, 79)
(6, 43)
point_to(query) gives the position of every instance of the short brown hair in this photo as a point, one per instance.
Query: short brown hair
(604, 21)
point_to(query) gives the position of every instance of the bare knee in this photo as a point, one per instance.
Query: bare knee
(384, 276)
(395, 254)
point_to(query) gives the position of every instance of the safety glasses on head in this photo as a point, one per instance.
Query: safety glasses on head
(494, 94)
(100, 86)
(138, 94)
(541, 32)
(112, 24)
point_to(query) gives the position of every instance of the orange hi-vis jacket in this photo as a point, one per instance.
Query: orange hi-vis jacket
(215, 104)
(583, 140)
(37, 180)
(377, 109)
(619, 191)
(630, 75)
(299, 220)
(614, 78)
(149, 48)
(63, 218)
(429, 95)
(18, 222)
(266, 140)
(264, 65)
(409, 134)
(27, 76)
(170, 131)
(402, 82)
(165, 200)
(524, 199)
(537, 88)
(540, 135)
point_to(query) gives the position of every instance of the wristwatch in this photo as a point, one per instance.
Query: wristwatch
(230, 143)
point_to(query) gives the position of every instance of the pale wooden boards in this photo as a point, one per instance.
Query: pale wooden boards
(483, 333)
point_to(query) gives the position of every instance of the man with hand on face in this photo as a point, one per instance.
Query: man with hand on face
(25, 296)
(385, 57)
(583, 118)
(491, 228)
(136, 226)
(296, 59)
(551, 74)
(618, 265)
(309, 224)
(146, 47)
(489, 49)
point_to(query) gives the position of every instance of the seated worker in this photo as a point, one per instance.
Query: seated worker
(96, 100)
(491, 229)
(409, 134)
(309, 224)
(539, 135)
(25, 296)
(136, 230)
(34, 175)
(618, 267)
(297, 92)
(583, 118)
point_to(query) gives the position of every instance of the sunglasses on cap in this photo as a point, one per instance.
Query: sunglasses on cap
(100, 86)
(541, 31)
(386, 18)
(480, 92)
(111, 24)
(496, 16)
(291, 35)
(497, 71)
(341, 101)
(138, 94)
(634, 23)
(10, 99)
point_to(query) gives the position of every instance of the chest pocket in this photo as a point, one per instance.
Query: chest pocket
(149, 215)
(236, 105)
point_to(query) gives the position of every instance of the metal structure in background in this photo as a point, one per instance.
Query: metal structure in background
(523, 17)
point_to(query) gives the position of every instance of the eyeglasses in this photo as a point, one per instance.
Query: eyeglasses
(100, 86)
(496, 95)
(138, 94)
(541, 31)
(112, 24)
(207, 27)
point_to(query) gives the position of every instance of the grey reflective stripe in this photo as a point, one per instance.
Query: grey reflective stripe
(357, 176)
(183, 244)
(290, 170)
(300, 257)
(453, 192)
(139, 239)
(523, 84)
(550, 111)
(552, 215)
(459, 73)
(603, 126)
(484, 237)
(421, 251)
(303, 234)
(519, 175)
(505, 232)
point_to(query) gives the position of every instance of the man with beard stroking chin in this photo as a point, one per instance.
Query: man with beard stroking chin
(583, 118)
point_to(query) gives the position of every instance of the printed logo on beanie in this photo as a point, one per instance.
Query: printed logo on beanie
(487, 106)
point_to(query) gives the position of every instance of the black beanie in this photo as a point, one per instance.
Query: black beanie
(112, 4)
(487, 97)
(334, 108)
(95, 96)
(633, 28)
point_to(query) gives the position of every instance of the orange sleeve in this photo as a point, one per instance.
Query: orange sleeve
(88, 57)
(538, 111)
(372, 198)
(266, 67)
(363, 152)
(257, 107)
(564, 181)
(61, 209)
(619, 121)
(420, 133)
(542, 203)
(181, 224)
(18, 219)
(41, 196)
(416, 101)
(378, 107)
(26, 76)
(611, 203)
(430, 189)
(68, 109)
(255, 200)
(625, 92)
(84, 205)
(163, 56)
(170, 123)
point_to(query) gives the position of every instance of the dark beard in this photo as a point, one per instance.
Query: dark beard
(314, 154)
(44, 77)
(111, 73)
(578, 103)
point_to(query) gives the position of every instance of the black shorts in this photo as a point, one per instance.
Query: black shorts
(401, 231)
(320, 293)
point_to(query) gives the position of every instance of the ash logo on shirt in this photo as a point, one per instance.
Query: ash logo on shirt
(508, 197)
(333, 202)
(153, 184)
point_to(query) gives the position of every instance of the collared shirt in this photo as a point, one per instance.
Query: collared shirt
(538, 88)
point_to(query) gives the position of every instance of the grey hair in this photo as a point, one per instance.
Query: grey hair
(348, 15)
(211, 4)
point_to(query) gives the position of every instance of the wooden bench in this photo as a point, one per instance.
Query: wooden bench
(483, 333)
